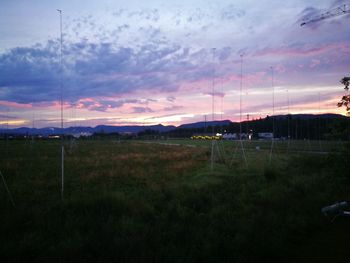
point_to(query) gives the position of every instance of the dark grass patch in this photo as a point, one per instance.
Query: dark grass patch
(127, 202)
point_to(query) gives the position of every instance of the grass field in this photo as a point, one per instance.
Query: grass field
(130, 201)
(280, 146)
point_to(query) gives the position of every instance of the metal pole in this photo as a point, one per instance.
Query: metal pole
(7, 130)
(273, 114)
(288, 121)
(319, 121)
(240, 112)
(240, 100)
(222, 106)
(212, 114)
(273, 100)
(212, 101)
(61, 102)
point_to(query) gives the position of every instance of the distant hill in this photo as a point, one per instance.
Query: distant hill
(98, 129)
(132, 129)
(312, 116)
(204, 124)
(159, 128)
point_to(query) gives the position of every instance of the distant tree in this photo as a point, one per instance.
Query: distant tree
(345, 100)
(346, 82)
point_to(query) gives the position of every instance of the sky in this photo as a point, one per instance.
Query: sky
(169, 62)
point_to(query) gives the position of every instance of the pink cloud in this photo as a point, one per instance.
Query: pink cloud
(255, 79)
(45, 104)
(302, 51)
(11, 104)
(314, 63)
(280, 68)
(216, 94)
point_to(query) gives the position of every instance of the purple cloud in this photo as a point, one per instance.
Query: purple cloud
(173, 108)
(141, 110)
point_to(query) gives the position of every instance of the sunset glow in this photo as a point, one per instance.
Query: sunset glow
(139, 63)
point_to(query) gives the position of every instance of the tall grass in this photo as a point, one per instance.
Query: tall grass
(134, 202)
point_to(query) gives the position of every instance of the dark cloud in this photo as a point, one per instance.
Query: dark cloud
(216, 94)
(164, 116)
(102, 108)
(99, 68)
(119, 12)
(224, 53)
(198, 15)
(8, 117)
(90, 70)
(144, 14)
(106, 104)
(171, 98)
(141, 109)
(145, 101)
(173, 108)
(30, 73)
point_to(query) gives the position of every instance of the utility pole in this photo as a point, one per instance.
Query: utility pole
(240, 116)
(222, 98)
(61, 102)
(240, 100)
(7, 130)
(273, 115)
(212, 112)
(288, 114)
(247, 126)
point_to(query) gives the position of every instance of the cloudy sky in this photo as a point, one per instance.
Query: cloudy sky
(154, 61)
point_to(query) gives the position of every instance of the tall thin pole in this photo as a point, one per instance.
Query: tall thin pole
(240, 100)
(7, 129)
(61, 100)
(273, 100)
(212, 113)
(7, 120)
(240, 114)
(319, 120)
(288, 120)
(33, 126)
(273, 114)
(213, 90)
(222, 98)
(33, 121)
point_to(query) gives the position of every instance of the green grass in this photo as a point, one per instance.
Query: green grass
(138, 202)
(285, 146)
